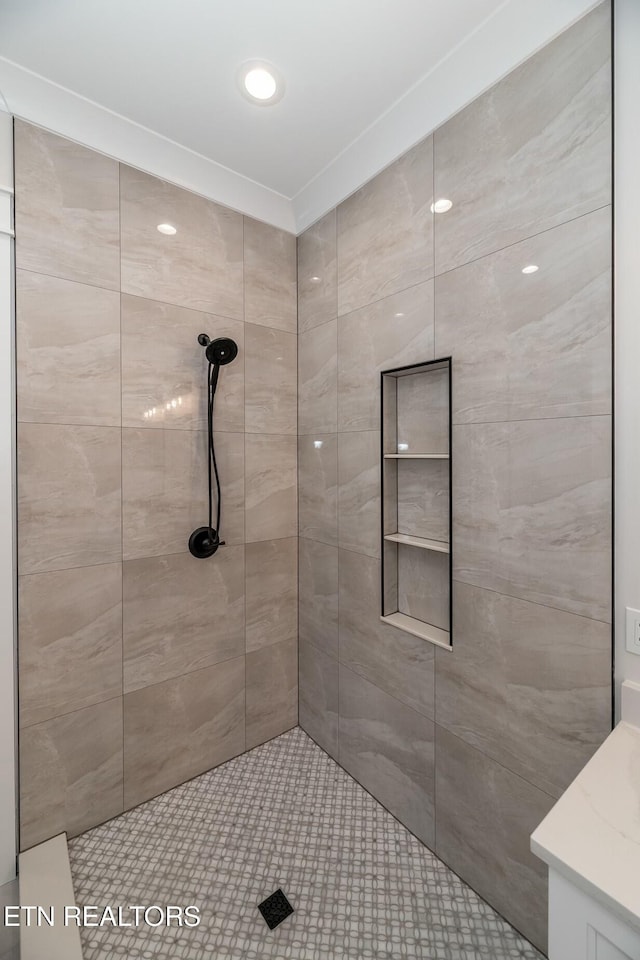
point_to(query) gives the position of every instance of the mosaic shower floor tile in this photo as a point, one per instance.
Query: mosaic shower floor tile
(283, 816)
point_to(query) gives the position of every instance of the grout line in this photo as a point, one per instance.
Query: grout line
(121, 466)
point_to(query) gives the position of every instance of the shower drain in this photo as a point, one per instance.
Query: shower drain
(275, 909)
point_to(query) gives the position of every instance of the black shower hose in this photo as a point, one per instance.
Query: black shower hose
(212, 383)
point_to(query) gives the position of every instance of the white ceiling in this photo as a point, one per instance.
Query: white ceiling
(351, 67)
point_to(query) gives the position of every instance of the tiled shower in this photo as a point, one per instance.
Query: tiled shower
(141, 667)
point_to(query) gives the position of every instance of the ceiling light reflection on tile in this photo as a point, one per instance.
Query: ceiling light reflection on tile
(442, 205)
(317, 444)
(531, 268)
(167, 229)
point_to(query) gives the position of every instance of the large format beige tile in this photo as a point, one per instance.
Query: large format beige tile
(423, 498)
(423, 585)
(181, 614)
(67, 221)
(175, 730)
(318, 586)
(532, 152)
(271, 592)
(318, 692)
(532, 345)
(271, 502)
(164, 369)
(200, 266)
(269, 276)
(70, 648)
(389, 749)
(393, 332)
(528, 685)
(68, 496)
(71, 772)
(422, 404)
(385, 231)
(68, 351)
(318, 487)
(532, 511)
(317, 280)
(272, 691)
(317, 379)
(359, 492)
(398, 663)
(164, 489)
(485, 817)
(270, 380)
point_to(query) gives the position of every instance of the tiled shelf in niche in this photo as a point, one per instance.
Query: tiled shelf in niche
(416, 471)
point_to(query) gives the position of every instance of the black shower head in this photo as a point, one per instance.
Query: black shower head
(220, 351)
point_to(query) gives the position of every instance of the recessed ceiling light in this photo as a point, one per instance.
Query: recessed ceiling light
(167, 228)
(531, 268)
(441, 206)
(260, 82)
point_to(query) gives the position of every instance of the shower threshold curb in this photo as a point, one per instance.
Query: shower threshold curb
(45, 881)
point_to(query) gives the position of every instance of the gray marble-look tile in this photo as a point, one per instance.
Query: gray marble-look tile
(385, 231)
(200, 266)
(318, 487)
(67, 221)
(318, 586)
(530, 153)
(71, 772)
(271, 578)
(70, 649)
(423, 410)
(393, 332)
(169, 625)
(396, 662)
(317, 379)
(486, 815)
(68, 497)
(178, 729)
(164, 489)
(272, 691)
(389, 749)
(527, 685)
(270, 380)
(164, 368)
(423, 585)
(318, 692)
(317, 278)
(269, 276)
(359, 492)
(68, 351)
(423, 498)
(532, 514)
(271, 501)
(531, 345)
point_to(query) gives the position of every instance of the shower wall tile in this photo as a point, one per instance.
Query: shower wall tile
(164, 489)
(527, 685)
(396, 662)
(68, 496)
(318, 487)
(66, 209)
(70, 772)
(385, 231)
(272, 691)
(201, 266)
(536, 345)
(271, 502)
(389, 749)
(393, 332)
(162, 362)
(270, 380)
(317, 380)
(533, 511)
(181, 615)
(271, 578)
(70, 653)
(68, 370)
(532, 152)
(485, 817)
(422, 403)
(423, 498)
(423, 585)
(317, 276)
(359, 492)
(318, 692)
(177, 729)
(318, 585)
(269, 276)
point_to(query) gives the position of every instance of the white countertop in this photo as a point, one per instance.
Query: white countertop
(592, 834)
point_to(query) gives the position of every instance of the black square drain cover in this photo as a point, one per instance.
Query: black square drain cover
(275, 909)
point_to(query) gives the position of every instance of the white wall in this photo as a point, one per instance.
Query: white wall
(627, 324)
